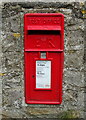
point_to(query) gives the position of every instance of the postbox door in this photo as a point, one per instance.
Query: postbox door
(43, 94)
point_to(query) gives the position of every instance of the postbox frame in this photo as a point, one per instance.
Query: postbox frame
(46, 50)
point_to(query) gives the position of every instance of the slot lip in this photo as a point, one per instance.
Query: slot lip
(43, 27)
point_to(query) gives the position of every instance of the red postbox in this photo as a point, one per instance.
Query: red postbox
(44, 57)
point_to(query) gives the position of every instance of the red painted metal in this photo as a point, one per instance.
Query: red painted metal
(52, 27)
(43, 32)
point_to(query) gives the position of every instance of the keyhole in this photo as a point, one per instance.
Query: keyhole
(33, 76)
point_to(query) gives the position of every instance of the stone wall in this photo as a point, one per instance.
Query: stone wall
(13, 102)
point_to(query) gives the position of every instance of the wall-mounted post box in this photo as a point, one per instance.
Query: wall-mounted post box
(44, 57)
